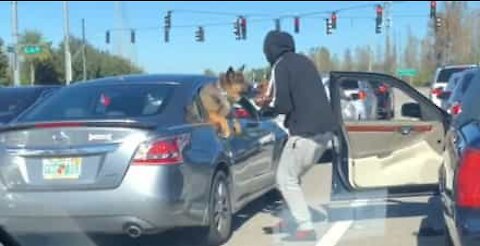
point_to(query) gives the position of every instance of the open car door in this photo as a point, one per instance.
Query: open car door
(400, 153)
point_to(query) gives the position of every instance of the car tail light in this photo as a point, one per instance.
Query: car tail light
(437, 91)
(456, 109)
(468, 181)
(166, 151)
(362, 95)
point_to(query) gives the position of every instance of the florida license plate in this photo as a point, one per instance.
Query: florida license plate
(62, 168)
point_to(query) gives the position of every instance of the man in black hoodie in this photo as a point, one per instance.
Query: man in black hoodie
(298, 93)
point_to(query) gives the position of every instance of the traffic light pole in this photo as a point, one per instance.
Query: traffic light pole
(84, 51)
(16, 58)
(66, 41)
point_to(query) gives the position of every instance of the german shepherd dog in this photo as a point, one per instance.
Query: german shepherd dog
(217, 98)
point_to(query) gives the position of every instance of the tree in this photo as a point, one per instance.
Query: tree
(209, 72)
(99, 63)
(347, 60)
(4, 77)
(321, 58)
(33, 60)
(411, 50)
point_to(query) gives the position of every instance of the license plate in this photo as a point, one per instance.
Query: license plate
(62, 168)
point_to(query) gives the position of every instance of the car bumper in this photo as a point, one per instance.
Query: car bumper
(467, 227)
(152, 198)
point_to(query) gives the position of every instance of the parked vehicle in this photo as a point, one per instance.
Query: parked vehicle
(441, 78)
(132, 155)
(363, 97)
(454, 105)
(460, 174)
(451, 85)
(15, 100)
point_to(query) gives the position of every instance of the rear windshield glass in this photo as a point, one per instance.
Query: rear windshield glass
(445, 74)
(350, 84)
(14, 101)
(102, 102)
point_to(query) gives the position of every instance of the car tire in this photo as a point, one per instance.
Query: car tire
(219, 211)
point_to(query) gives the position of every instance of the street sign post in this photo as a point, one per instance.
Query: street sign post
(407, 72)
(32, 49)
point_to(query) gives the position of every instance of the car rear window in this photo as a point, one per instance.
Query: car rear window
(14, 101)
(446, 73)
(102, 102)
(350, 84)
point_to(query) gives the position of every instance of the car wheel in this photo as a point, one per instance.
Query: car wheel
(220, 212)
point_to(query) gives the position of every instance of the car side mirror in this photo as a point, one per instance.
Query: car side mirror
(412, 110)
(267, 113)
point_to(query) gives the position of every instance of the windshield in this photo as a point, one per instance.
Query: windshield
(350, 84)
(445, 74)
(101, 102)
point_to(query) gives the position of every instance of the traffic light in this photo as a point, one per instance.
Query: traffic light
(107, 37)
(334, 21)
(438, 23)
(379, 19)
(168, 20)
(328, 23)
(243, 27)
(132, 36)
(236, 29)
(200, 34)
(296, 24)
(433, 9)
(166, 35)
(277, 25)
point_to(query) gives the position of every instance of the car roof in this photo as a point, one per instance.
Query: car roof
(458, 66)
(185, 80)
(29, 87)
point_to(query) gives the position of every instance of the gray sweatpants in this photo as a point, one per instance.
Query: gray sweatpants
(297, 158)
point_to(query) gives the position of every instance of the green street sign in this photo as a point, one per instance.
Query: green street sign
(32, 49)
(408, 72)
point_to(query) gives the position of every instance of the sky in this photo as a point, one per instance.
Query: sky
(220, 49)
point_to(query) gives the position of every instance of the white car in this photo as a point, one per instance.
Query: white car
(441, 78)
(362, 97)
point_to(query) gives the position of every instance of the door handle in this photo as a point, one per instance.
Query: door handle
(405, 130)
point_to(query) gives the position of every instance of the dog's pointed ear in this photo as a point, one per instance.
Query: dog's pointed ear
(241, 68)
(230, 73)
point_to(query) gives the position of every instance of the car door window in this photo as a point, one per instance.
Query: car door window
(405, 134)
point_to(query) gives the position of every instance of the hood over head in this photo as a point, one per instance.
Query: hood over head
(276, 44)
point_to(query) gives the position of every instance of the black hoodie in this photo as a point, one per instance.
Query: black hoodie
(300, 94)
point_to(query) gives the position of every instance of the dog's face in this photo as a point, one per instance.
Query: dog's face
(234, 83)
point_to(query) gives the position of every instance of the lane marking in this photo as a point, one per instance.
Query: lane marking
(335, 233)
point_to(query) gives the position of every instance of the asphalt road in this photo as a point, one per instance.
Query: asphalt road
(403, 221)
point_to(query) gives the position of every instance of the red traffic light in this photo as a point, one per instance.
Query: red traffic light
(334, 16)
(379, 9)
(296, 24)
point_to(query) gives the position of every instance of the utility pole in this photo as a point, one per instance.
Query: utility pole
(66, 41)
(84, 51)
(16, 58)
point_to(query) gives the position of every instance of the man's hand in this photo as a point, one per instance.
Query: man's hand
(263, 101)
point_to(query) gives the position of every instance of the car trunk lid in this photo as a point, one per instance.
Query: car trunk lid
(68, 155)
